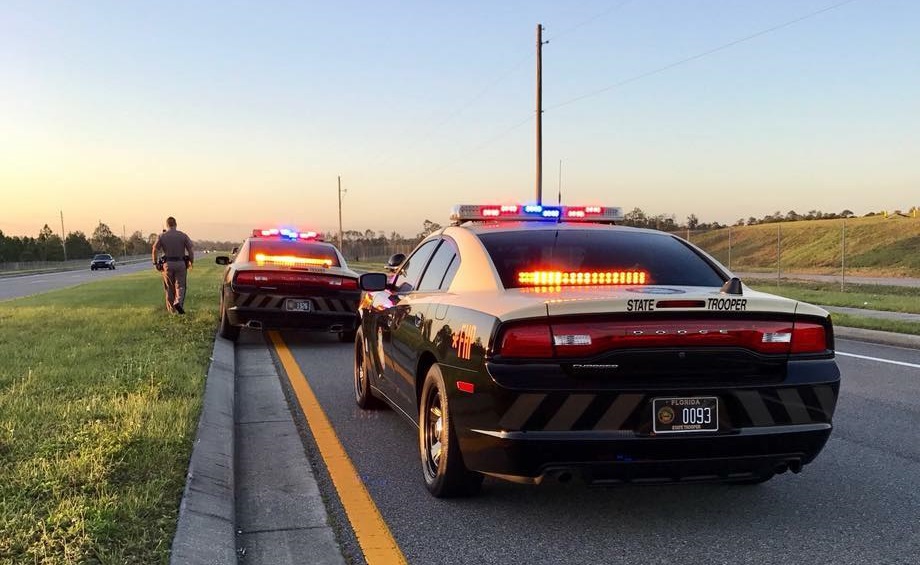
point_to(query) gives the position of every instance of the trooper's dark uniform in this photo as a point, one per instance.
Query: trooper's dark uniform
(178, 256)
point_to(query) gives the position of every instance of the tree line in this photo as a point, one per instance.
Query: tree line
(47, 246)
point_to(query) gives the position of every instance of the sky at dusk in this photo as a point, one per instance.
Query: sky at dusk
(234, 115)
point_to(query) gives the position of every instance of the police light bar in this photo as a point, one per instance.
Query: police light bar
(535, 212)
(287, 233)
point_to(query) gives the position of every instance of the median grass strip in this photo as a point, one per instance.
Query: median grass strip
(100, 391)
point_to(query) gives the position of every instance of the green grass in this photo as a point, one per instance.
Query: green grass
(875, 246)
(100, 391)
(847, 320)
(871, 297)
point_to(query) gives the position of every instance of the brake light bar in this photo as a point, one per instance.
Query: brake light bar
(291, 261)
(293, 281)
(544, 339)
(539, 212)
(580, 278)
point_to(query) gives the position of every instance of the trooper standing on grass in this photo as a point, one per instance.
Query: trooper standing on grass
(177, 259)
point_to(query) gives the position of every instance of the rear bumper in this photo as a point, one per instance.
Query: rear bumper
(620, 456)
(606, 433)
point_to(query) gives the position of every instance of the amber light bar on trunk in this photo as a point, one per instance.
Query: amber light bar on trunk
(293, 281)
(291, 260)
(580, 278)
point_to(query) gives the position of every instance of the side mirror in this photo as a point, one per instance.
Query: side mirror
(372, 282)
(395, 261)
(222, 260)
(235, 251)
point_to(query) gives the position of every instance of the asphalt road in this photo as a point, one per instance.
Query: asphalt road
(857, 503)
(15, 287)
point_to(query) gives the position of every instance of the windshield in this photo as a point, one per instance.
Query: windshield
(659, 259)
(102, 257)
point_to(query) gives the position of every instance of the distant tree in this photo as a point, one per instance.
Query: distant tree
(739, 222)
(792, 216)
(752, 221)
(48, 246)
(428, 228)
(636, 218)
(692, 222)
(104, 241)
(137, 244)
(78, 247)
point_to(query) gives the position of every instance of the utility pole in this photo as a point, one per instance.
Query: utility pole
(63, 236)
(340, 214)
(560, 183)
(124, 240)
(539, 114)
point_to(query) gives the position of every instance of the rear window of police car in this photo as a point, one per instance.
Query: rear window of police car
(298, 249)
(665, 259)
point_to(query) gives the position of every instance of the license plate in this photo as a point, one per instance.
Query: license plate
(682, 415)
(292, 305)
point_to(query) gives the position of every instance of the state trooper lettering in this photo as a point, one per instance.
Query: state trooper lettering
(727, 304)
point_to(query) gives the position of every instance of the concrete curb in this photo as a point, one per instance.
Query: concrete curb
(874, 336)
(207, 514)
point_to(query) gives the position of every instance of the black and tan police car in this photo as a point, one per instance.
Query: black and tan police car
(288, 279)
(528, 342)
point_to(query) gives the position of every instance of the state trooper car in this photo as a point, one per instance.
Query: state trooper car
(288, 279)
(527, 342)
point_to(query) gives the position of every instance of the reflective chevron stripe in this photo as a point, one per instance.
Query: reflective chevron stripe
(320, 304)
(560, 411)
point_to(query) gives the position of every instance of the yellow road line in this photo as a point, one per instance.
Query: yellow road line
(373, 535)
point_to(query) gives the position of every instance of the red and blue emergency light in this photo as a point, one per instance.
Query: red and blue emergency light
(287, 233)
(539, 212)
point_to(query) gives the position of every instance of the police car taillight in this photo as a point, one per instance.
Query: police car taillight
(292, 281)
(591, 338)
(538, 212)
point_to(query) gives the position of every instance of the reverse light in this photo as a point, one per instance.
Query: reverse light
(580, 278)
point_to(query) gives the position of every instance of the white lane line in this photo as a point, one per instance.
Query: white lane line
(866, 357)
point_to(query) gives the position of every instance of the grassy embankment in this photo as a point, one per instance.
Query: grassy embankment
(872, 297)
(100, 392)
(875, 246)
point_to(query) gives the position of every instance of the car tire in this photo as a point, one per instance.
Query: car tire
(442, 462)
(92, 268)
(227, 330)
(347, 337)
(364, 398)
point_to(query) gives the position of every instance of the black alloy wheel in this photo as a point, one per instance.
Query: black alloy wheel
(364, 398)
(442, 463)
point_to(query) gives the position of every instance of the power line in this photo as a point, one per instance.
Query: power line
(589, 20)
(700, 55)
(461, 108)
(484, 144)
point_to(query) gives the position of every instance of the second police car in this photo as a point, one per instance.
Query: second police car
(288, 279)
(530, 341)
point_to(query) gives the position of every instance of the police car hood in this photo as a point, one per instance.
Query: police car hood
(525, 302)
